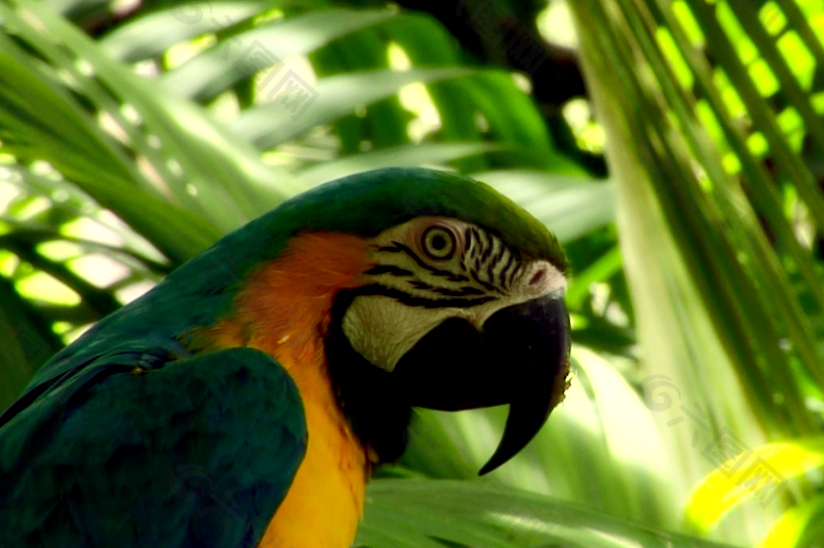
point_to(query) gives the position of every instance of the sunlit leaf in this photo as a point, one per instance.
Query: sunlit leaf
(759, 472)
(216, 69)
(270, 124)
(436, 513)
(151, 35)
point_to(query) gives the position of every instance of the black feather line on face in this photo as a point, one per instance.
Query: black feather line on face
(500, 254)
(417, 284)
(390, 248)
(479, 246)
(487, 285)
(476, 236)
(399, 247)
(388, 269)
(490, 244)
(501, 276)
(366, 394)
(468, 239)
(494, 262)
(462, 292)
(489, 273)
(514, 271)
(412, 300)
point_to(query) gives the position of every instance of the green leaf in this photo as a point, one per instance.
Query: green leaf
(801, 526)
(40, 122)
(569, 206)
(244, 54)
(152, 34)
(25, 344)
(419, 513)
(408, 155)
(267, 126)
(759, 473)
(214, 168)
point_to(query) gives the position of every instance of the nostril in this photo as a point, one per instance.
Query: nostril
(537, 278)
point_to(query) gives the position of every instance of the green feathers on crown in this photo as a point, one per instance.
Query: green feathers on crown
(368, 203)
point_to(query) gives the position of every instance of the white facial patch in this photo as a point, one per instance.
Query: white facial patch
(448, 269)
(382, 329)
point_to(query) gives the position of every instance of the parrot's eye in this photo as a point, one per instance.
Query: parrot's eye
(438, 243)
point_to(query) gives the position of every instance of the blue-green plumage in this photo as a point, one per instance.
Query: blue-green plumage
(113, 436)
(202, 290)
(193, 452)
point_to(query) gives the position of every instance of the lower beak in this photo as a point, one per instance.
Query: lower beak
(521, 357)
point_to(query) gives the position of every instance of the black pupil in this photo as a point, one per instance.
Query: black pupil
(438, 243)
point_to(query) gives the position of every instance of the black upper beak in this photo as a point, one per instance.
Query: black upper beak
(521, 357)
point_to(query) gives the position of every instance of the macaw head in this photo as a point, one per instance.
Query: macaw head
(434, 291)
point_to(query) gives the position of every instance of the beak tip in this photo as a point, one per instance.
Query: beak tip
(492, 464)
(486, 469)
(524, 423)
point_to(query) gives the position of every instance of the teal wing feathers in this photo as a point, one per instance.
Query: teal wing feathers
(151, 449)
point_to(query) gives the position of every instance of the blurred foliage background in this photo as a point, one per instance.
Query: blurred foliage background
(684, 179)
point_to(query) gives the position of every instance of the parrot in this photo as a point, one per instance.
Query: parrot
(247, 398)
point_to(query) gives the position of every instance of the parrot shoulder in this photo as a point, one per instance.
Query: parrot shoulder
(130, 450)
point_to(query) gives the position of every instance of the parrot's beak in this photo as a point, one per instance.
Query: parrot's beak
(519, 357)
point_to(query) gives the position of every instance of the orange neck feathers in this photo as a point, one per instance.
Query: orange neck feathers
(284, 310)
(286, 305)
